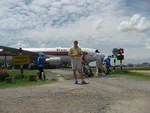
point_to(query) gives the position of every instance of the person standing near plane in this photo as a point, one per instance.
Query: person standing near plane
(99, 62)
(107, 61)
(41, 65)
(75, 53)
(83, 61)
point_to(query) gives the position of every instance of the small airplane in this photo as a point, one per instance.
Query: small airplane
(54, 57)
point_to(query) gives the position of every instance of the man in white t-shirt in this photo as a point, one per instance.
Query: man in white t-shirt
(99, 62)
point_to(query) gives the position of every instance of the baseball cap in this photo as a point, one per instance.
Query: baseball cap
(96, 51)
(41, 54)
(75, 41)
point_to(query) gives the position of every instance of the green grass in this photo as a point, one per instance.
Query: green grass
(128, 74)
(140, 68)
(19, 82)
(24, 82)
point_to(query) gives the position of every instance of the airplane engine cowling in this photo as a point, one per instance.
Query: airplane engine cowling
(53, 61)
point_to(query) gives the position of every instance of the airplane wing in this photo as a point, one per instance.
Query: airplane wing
(15, 51)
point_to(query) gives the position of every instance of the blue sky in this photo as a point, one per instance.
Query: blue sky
(99, 24)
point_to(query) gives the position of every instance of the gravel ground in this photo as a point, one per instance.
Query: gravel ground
(109, 94)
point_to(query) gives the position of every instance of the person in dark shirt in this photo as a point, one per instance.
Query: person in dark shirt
(41, 65)
(108, 64)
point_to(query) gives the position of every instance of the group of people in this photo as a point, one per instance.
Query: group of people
(102, 63)
(78, 61)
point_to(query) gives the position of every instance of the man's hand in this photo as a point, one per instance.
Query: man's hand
(76, 55)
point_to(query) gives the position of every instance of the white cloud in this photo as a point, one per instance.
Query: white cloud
(20, 44)
(97, 24)
(37, 9)
(65, 1)
(134, 20)
(39, 2)
(143, 25)
(56, 4)
(72, 9)
(53, 11)
(137, 23)
(148, 46)
(51, 23)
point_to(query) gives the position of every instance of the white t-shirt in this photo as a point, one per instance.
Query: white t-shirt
(99, 56)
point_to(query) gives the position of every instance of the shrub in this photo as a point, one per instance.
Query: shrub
(3, 74)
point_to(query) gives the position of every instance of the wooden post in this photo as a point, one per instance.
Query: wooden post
(21, 66)
(121, 64)
(114, 63)
(12, 74)
(5, 65)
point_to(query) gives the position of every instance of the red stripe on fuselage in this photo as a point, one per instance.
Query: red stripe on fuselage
(4, 54)
(56, 53)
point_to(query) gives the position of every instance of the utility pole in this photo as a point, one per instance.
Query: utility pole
(12, 73)
(120, 57)
(115, 53)
(5, 64)
(21, 66)
(114, 63)
(121, 64)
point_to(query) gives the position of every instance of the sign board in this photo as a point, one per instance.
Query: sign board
(22, 59)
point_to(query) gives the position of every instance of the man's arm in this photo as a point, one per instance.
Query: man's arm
(80, 53)
(70, 53)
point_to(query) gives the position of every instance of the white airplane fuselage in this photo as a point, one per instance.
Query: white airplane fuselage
(58, 56)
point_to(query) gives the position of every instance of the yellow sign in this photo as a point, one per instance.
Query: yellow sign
(22, 59)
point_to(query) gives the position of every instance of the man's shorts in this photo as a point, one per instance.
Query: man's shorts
(99, 64)
(76, 63)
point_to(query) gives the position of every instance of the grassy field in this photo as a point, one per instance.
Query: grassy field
(131, 74)
(18, 81)
(126, 72)
(140, 68)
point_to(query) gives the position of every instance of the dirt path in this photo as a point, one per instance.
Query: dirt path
(103, 95)
(146, 72)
